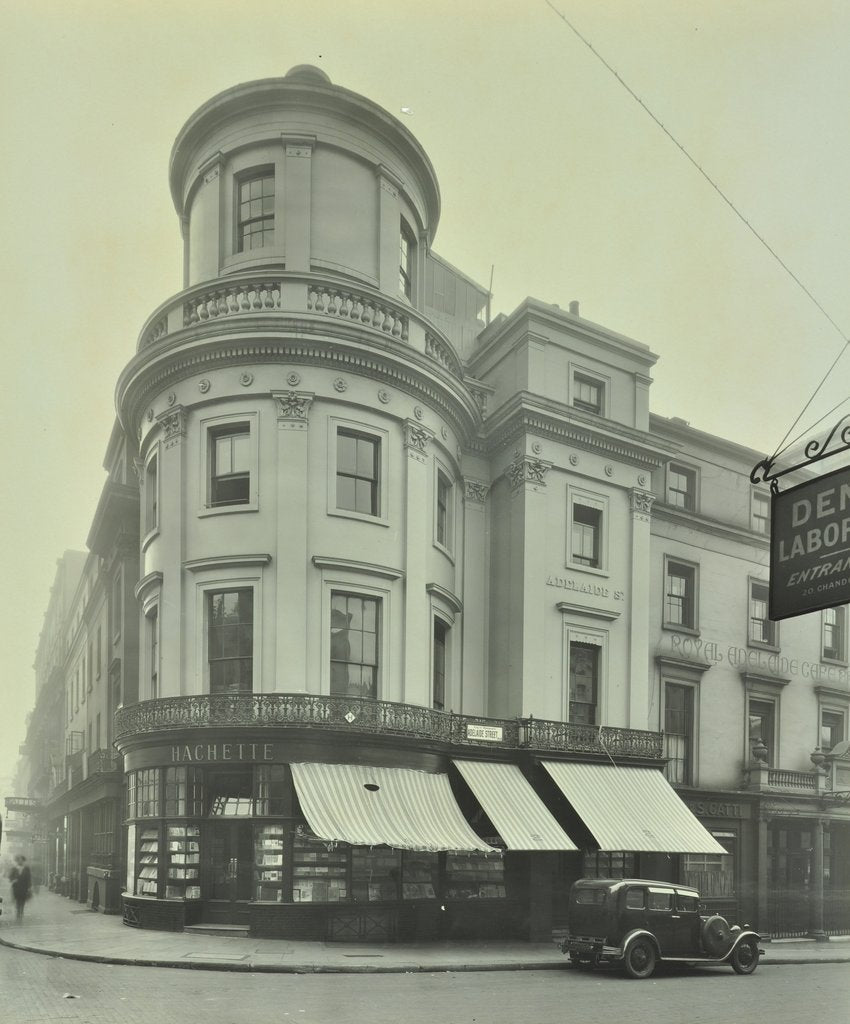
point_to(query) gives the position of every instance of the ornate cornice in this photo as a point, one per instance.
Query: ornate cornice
(283, 341)
(293, 408)
(527, 469)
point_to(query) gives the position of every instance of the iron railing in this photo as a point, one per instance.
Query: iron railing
(379, 717)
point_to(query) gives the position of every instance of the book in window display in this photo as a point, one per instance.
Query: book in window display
(184, 863)
(420, 875)
(268, 864)
(374, 874)
(146, 879)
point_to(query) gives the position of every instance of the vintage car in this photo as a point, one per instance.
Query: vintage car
(637, 923)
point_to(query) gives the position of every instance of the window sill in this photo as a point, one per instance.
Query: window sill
(840, 662)
(444, 551)
(591, 570)
(756, 646)
(362, 517)
(674, 627)
(224, 510)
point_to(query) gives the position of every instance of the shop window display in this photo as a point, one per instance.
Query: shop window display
(268, 863)
(148, 871)
(374, 874)
(184, 862)
(319, 871)
(420, 876)
(474, 876)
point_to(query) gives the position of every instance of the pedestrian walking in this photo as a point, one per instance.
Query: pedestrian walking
(21, 879)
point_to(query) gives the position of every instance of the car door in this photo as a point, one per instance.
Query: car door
(661, 917)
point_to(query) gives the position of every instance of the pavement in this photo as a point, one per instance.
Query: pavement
(57, 926)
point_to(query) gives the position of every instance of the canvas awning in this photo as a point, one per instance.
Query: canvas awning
(633, 809)
(516, 811)
(400, 807)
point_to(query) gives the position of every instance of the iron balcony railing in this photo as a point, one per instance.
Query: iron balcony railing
(379, 717)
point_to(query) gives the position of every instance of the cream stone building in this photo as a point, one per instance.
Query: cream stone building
(434, 615)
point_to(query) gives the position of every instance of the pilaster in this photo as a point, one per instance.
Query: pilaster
(297, 178)
(640, 505)
(476, 561)
(416, 683)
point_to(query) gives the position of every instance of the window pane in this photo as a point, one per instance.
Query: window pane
(345, 493)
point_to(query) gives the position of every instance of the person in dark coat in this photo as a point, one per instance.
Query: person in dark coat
(21, 885)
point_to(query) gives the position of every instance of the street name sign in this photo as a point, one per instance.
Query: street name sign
(810, 546)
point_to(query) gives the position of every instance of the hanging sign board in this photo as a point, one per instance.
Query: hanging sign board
(810, 546)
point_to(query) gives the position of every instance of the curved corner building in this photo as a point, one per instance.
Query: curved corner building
(395, 667)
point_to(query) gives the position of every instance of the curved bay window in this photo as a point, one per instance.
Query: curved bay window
(255, 228)
(230, 640)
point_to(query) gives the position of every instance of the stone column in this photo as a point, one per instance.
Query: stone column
(640, 503)
(416, 681)
(816, 930)
(293, 499)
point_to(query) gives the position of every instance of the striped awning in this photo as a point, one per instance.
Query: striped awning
(633, 809)
(516, 811)
(400, 807)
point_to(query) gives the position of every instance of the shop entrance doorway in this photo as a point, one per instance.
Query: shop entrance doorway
(229, 870)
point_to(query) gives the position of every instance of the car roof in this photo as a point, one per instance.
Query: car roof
(616, 883)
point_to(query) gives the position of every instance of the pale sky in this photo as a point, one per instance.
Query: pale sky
(549, 171)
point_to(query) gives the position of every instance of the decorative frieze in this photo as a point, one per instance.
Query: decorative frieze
(475, 490)
(173, 424)
(293, 408)
(527, 469)
(641, 503)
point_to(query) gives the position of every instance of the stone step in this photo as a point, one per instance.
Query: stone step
(237, 931)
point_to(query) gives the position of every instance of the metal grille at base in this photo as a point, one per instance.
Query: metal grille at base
(399, 807)
(632, 809)
(516, 811)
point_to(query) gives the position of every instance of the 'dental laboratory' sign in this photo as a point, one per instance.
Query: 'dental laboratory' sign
(810, 546)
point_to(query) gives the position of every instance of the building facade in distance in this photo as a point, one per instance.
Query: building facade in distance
(433, 615)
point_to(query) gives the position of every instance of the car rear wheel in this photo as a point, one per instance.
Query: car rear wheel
(745, 957)
(640, 959)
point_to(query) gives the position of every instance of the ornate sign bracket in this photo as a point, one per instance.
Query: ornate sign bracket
(836, 441)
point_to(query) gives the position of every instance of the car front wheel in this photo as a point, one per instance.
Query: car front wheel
(745, 957)
(640, 959)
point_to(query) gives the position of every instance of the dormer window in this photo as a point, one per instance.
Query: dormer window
(406, 245)
(255, 227)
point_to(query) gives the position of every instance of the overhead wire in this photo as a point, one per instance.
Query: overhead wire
(731, 206)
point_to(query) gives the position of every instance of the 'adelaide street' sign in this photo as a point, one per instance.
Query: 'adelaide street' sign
(810, 546)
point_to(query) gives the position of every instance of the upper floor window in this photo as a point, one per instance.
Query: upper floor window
(584, 682)
(357, 472)
(441, 632)
(761, 728)
(230, 640)
(406, 246)
(152, 626)
(355, 622)
(230, 465)
(834, 634)
(255, 226)
(762, 629)
(680, 595)
(151, 494)
(443, 512)
(831, 729)
(586, 535)
(681, 486)
(761, 512)
(679, 732)
(588, 393)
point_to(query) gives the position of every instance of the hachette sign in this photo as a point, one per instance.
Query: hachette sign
(810, 546)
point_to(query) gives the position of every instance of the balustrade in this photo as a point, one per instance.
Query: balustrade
(364, 309)
(361, 715)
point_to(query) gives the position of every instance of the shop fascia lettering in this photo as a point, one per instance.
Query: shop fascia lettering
(191, 753)
(747, 657)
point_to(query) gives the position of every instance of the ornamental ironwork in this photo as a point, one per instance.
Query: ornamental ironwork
(379, 717)
(819, 448)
